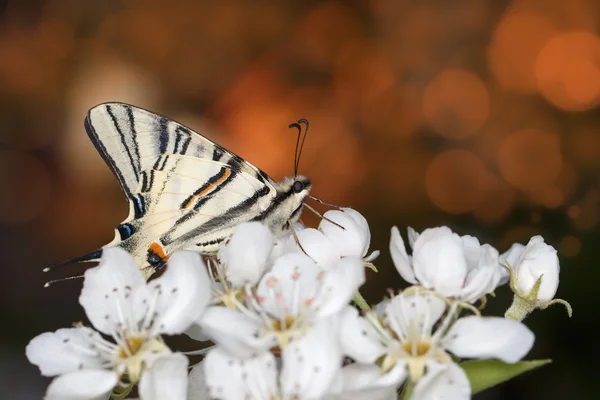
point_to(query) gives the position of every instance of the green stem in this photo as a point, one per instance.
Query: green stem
(407, 390)
(519, 308)
(361, 302)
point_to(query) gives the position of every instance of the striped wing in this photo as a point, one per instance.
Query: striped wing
(185, 192)
(131, 140)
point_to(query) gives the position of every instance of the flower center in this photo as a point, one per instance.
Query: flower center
(417, 348)
(132, 346)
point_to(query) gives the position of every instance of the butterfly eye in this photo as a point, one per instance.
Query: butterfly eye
(298, 186)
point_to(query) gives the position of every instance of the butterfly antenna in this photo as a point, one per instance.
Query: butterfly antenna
(299, 141)
(322, 216)
(324, 203)
(89, 257)
(52, 282)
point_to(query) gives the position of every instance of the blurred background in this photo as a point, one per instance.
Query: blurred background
(478, 114)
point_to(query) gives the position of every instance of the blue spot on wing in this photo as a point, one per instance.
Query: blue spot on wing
(125, 231)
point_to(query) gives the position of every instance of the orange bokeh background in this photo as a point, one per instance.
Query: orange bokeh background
(478, 114)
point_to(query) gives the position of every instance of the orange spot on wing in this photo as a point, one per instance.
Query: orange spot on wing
(157, 249)
(209, 188)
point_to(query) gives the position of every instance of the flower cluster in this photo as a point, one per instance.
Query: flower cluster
(281, 322)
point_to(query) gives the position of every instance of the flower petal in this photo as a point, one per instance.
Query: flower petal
(318, 247)
(107, 290)
(485, 277)
(538, 260)
(339, 285)
(197, 389)
(358, 338)
(292, 280)
(234, 331)
(489, 337)
(400, 258)
(166, 378)
(63, 351)
(82, 385)
(443, 381)
(412, 237)
(414, 310)
(246, 253)
(439, 262)
(365, 381)
(229, 378)
(351, 240)
(195, 332)
(509, 257)
(182, 293)
(311, 363)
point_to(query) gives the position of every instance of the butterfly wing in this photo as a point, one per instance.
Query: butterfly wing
(184, 191)
(131, 139)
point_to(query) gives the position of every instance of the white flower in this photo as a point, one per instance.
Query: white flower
(534, 271)
(341, 233)
(120, 304)
(537, 261)
(452, 265)
(411, 343)
(295, 295)
(307, 369)
(358, 381)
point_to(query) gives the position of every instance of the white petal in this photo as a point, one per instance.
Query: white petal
(443, 382)
(195, 332)
(412, 237)
(311, 363)
(229, 378)
(318, 247)
(82, 385)
(293, 280)
(538, 259)
(485, 277)
(358, 338)
(339, 285)
(107, 290)
(509, 257)
(197, 389)
(416, 310)
(400, 258)
(471, 248)
(182, 292)
(246, 254)
(489, 337)
(235, 332)
(353, 239)
(365, 381)
(439, 262)
(63, 351)
(166, 378)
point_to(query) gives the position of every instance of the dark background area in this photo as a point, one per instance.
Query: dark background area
(477, 114)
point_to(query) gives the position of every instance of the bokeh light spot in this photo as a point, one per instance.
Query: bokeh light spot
(530, 159)
(568, 71)
(456, 103)
(455, 181)
(516, 42)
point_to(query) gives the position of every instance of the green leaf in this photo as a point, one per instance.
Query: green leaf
(484, 374)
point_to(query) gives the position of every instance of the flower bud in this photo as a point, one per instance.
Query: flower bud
(537, 261)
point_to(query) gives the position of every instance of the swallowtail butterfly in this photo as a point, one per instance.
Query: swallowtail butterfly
(184, 191)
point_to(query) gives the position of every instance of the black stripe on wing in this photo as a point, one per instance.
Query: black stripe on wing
(89, 128)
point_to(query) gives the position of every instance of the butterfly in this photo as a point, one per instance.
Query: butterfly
(185, 192)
